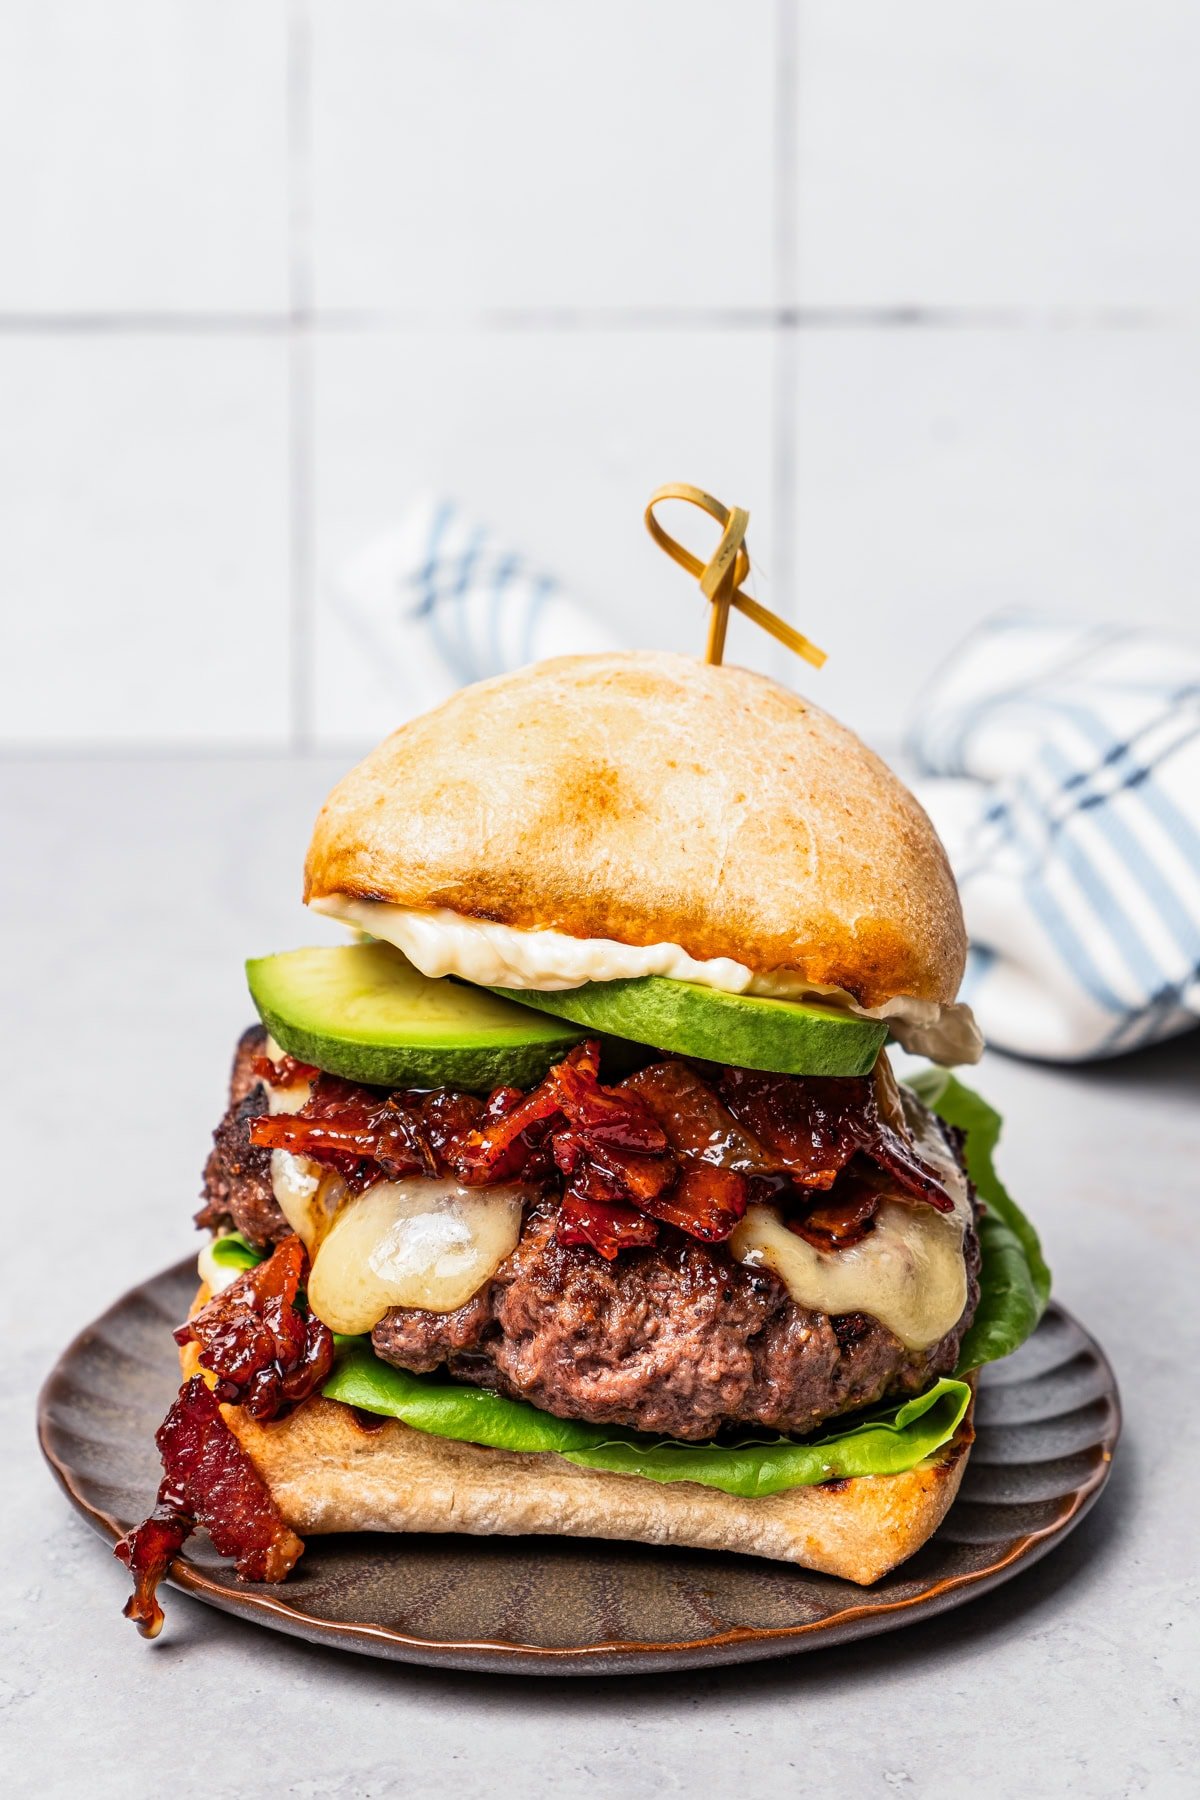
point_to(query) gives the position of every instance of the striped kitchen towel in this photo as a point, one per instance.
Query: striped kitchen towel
(442, 600)
(1065, 781)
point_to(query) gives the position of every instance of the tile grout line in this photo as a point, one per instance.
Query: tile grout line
(785, 149)
(301, 571)
(18, 754)
(789, 317)
(783, 341)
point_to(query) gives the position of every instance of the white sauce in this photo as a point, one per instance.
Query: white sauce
(441, 942)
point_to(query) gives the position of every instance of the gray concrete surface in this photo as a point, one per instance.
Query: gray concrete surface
(131, 892)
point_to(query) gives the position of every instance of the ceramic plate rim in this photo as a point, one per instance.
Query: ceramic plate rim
(611, 1656)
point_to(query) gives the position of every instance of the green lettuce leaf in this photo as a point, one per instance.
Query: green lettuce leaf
(1014, 1279)
(234, 1252)
(891, 1438)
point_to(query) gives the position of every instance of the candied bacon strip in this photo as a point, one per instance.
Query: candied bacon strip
(706, 1202)
(608, 1117)
(805, 1123)
(221, 1487)
(845, 1218)
(148, 1552)
(499, 1149)
(447, 1115)
(499, 1101)
(208, 1480)
(633, 1177)
(885, 1146)
(816, 1123)
(695, 1119)
(342, 1122)
(613, 1116)
(266, 1354)
(284, 1073)
(608, 1226)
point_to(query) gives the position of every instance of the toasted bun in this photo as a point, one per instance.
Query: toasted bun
(651, 798)
(327, 1472)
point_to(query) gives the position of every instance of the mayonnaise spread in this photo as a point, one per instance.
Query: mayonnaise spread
(441, 942)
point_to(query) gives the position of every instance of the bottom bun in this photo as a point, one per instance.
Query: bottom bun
(328, 1472)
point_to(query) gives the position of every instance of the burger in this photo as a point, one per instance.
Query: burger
(576, 1192)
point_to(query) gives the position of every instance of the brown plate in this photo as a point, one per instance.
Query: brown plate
(1047, 1422)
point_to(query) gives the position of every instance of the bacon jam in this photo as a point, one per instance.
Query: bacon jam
(681, 1144)
(266, 1354)
(677, 1146)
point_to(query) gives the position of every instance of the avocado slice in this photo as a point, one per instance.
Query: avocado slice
(363, 1011)
(789, 1037)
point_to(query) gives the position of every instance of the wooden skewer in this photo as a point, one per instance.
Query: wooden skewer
(721, 577)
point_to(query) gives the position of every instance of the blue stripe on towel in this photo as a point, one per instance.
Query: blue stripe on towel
(1043, 903)
(1085, 852)
(1176, 824)
(506, 568)
(1137, 859)
(953, 759)
(1072, 949)
(425, 579)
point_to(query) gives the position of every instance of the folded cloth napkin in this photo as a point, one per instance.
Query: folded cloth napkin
(1067, 792)
(442, 600)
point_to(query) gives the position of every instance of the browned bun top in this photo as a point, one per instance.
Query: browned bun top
(651, 798)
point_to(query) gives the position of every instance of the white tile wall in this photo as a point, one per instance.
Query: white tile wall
(945, 474)
(144, 559)
(918, 284)
(961, 153)
(558, 437)
(143, 147)
(487, 154)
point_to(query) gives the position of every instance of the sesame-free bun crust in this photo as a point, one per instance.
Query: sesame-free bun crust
(651, 798)
(327, 1472)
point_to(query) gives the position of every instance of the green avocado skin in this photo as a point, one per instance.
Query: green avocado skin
(364, 1012)
(784, 1037)
(475, 1069)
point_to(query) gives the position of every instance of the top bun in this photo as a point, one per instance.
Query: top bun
(651, 798)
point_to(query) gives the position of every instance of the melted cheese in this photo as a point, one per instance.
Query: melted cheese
(417, 1242)
(909, 1273)
(307, 1195)
(296, 1184)
(402, 1243)
(441, 942)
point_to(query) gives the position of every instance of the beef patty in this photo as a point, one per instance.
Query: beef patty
(237, 1175)
(679, 1340)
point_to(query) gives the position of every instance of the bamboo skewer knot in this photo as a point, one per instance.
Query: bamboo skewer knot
(721, 577)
